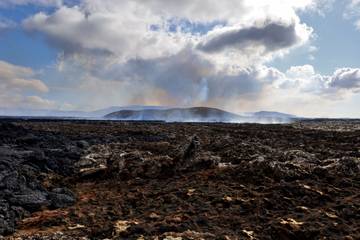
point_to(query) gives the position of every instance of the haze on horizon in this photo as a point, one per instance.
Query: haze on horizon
(300, 57)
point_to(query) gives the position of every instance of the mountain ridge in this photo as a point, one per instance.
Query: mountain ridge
(138, 112)
(198, 114)
(194, 114)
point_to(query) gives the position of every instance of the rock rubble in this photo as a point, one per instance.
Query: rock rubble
(144, 180)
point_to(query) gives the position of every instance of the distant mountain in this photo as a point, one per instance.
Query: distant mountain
(73, 114)
(40, 113)
(195, 114)
(105, 111)
(139, 112)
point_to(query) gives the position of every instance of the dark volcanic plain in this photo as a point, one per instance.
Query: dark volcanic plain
(151, 180)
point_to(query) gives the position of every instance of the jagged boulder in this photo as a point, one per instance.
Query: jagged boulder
(30, 200)
(275, 169)
(347, 167)
(192, 158)
(61, 198)
(297, 164)
(119, 161)
(21, 168)
(294, 164)
(7, 223)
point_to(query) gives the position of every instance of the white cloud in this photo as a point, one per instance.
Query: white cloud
(126, 34)
(147, 52)
(184, 79)
(303, 91)
(353, 8)
(346, 78)
(357, 24)
(158, 28)
(343, 82)
(17, 86)
(187, 79)
(255, 43)
(16, 78)
(38, 102)
(304, 71)
(312, 51)
(231, 11)
(18, 101)
(152, 52)
(352, 11)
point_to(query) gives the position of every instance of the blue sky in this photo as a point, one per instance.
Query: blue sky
(21, 48)
(337, 42)
(299, 57)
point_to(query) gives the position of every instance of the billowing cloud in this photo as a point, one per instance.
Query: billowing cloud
(346, 78)
(231, 11)
(189, 79)
(271, 37)
(206, 52)
(343, 81)
(184, 79)
(254, 44)
(157, 28)
(154, 43)
(304, 71)
(126, 34)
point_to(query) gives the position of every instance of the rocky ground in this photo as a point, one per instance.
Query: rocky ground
(152, 180)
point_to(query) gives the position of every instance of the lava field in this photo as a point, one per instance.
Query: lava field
(77, 179)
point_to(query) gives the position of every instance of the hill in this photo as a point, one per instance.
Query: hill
(267, 114)
(195, 114)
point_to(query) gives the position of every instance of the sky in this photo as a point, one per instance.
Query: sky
(300, 57)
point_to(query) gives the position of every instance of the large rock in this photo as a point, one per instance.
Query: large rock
(61, 198)
(94, 161)
(119, 161)
(31, 201)
(22, 164)
(141, 164)
(7, 225)
(347, 167)
(192, 158)
(297, 164)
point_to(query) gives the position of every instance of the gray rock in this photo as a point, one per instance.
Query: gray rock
(83, 144)
(61, 198)
(7, 223)
(31, 201)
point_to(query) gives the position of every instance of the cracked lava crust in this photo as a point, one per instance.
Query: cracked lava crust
(150, 180)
